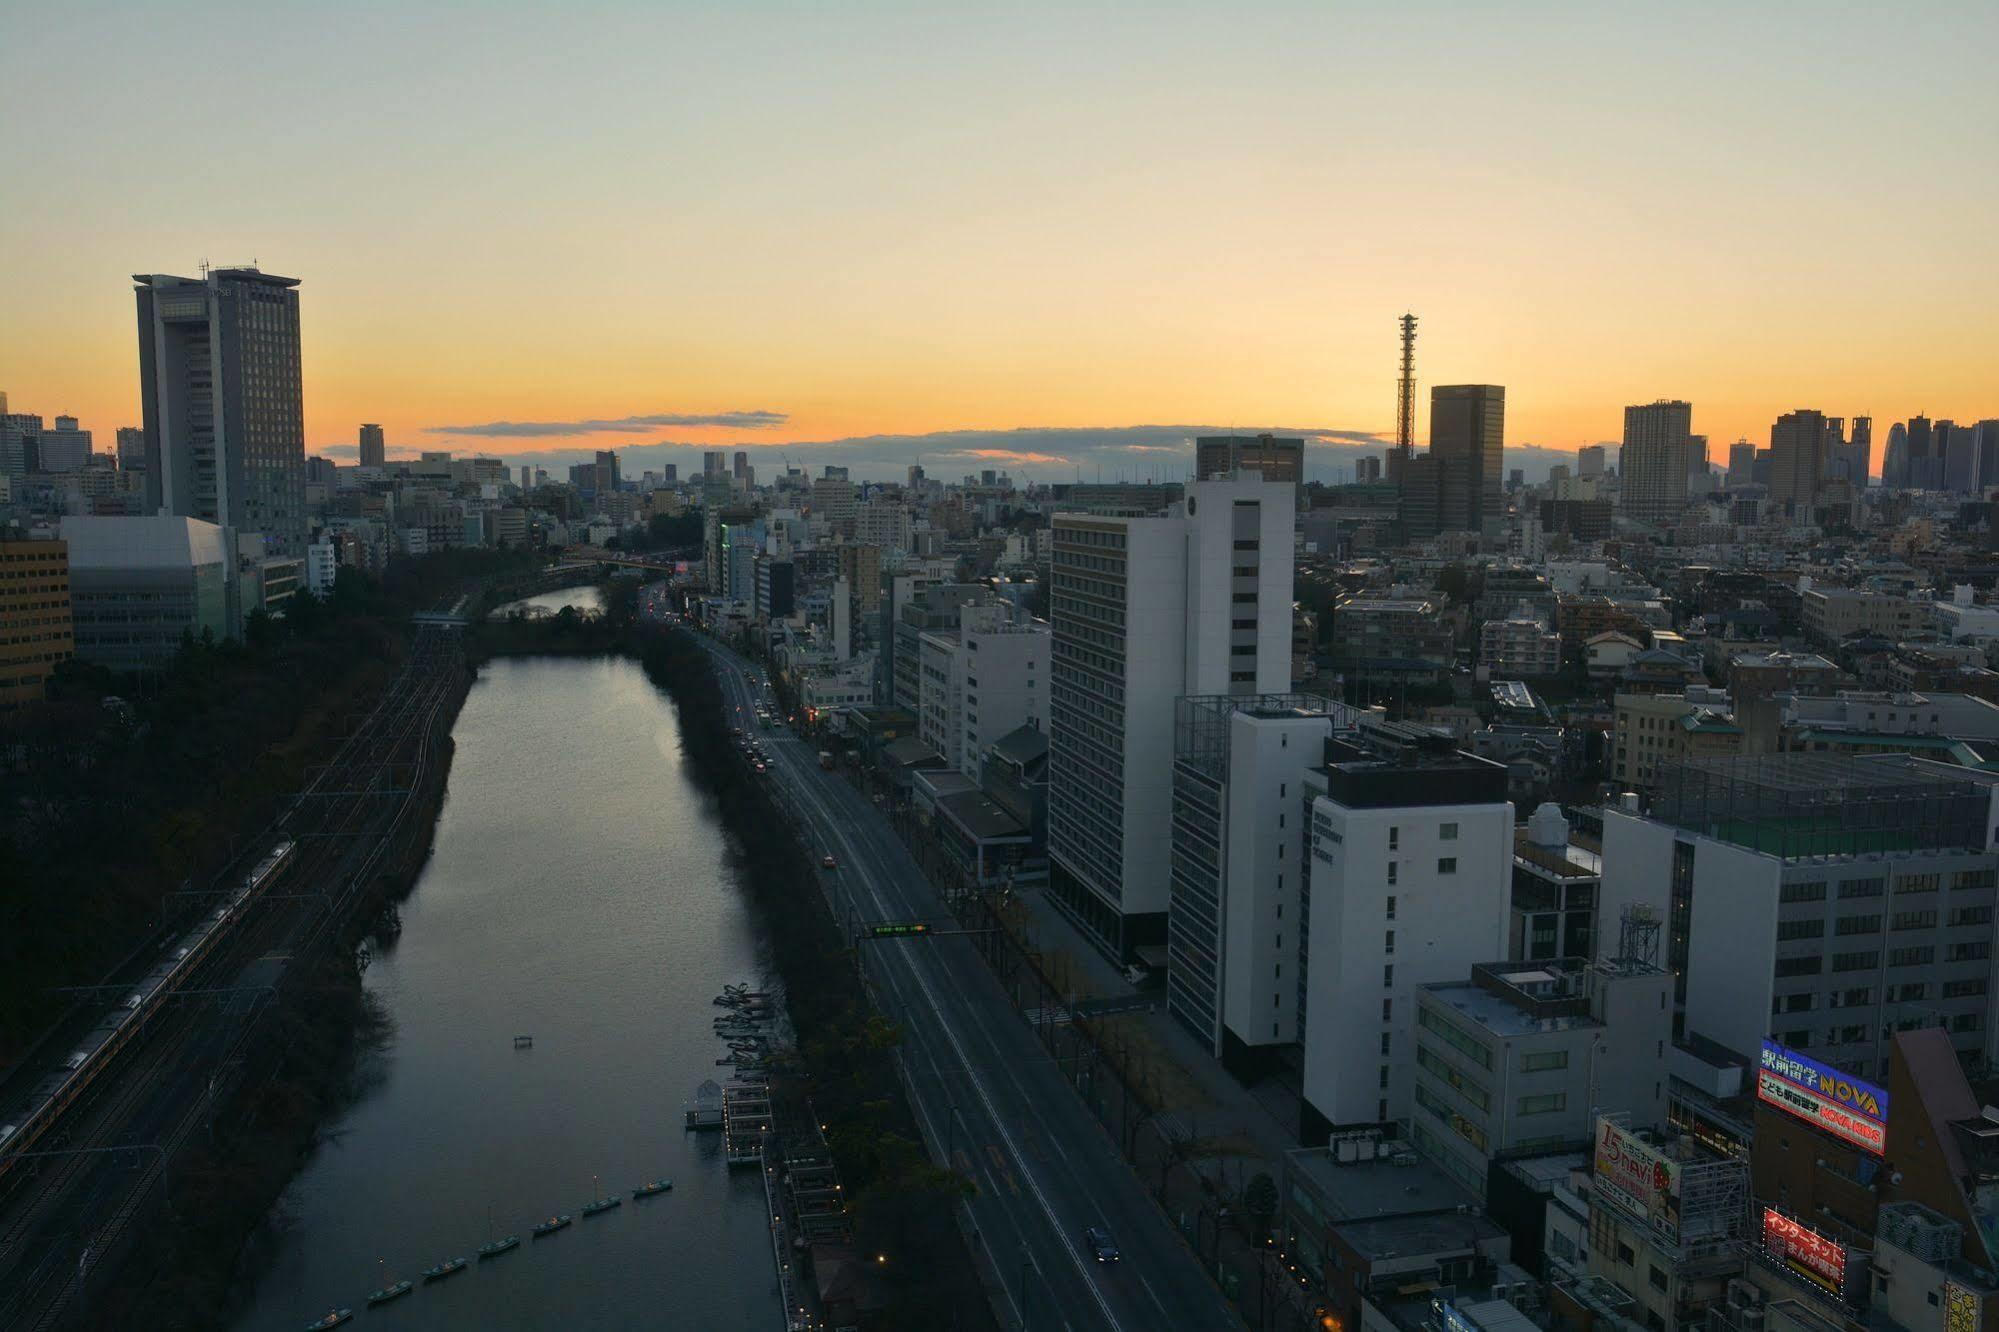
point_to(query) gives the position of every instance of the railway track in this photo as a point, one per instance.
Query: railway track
(66, 1215)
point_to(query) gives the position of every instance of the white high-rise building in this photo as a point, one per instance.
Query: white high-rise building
(1146, 608)
(1239, 768)
(1407, 881)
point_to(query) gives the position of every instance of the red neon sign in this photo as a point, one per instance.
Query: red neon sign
(1804, 1251)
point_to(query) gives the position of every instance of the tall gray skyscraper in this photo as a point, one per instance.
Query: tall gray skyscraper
(225, 415)
(1860, 452)
(1468, 440)
(1741, 462)
(1658, 443)
(374, 449)
(131, 449)
(16, 429)
(1797, 460)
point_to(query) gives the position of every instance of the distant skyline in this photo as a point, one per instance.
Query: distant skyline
(701, 223)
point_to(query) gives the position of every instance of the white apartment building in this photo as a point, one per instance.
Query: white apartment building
(1239, 769)
(1523, 1056)
(1146, 608)
(884, 523)
(1408, 883)
(981, 681)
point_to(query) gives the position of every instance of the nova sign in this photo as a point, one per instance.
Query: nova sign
(1842, 1105)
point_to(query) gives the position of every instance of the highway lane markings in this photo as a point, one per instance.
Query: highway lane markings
(839, 834)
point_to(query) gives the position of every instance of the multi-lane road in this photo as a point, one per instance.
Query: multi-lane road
(985, 1091)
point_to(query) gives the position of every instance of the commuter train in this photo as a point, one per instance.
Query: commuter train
(55, 1093)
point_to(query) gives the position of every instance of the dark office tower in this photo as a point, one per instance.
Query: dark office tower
(1468, 438)
(1272, 457)
(1925, 470)
(131, 449)
(1741, 462)
(1696, 456)
(742, 465)
(1797, 461)
(1860, 451)
(607, 471)
(224, 413)
(374, 449)
(711, 462)
(1957, 446)
(1986, 433)
(1368, 470)
(1654, 464)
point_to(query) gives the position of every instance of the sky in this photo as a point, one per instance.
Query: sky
(773, 225)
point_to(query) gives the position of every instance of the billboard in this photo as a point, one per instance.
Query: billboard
(1838, 1103)
(1638, 1179)
(1805, 1251)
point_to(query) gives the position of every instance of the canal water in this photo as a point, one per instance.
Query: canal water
(576, 894)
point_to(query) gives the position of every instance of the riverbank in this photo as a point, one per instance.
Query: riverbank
(298, 1073)
(902, 1204)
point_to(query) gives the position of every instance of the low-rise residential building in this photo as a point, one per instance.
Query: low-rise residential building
(1522, 644)
(1832, 614)
(1376, 636)
(1650, 730)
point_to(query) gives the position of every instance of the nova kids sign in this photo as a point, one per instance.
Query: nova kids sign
(1844, 1106)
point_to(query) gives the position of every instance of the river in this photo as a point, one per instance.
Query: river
(576, 893)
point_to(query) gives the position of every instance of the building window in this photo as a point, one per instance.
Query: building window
(1388, 975)
(1391, 906)
(1544, 1104)
(1810, 891)
(1656, 1276)
(1388, 945)
(1447, 832)
(1391, 871)
(1544, 1060)
(1447, 864)
(1394, 837)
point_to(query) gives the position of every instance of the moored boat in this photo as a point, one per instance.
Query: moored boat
(652, 1187)
(550, 1226)
(603, 1204)
(499, 1246)
(334, 1318)
(393, 1291)
(449, 1267)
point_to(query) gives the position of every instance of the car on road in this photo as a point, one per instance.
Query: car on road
(827, 862)
(1098, 1242)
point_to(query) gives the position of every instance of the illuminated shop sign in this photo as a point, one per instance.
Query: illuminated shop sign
(1842, 1105)
(1805, 1251)
(1639, 1179)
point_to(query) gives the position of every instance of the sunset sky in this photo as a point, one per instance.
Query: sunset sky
(901, 219)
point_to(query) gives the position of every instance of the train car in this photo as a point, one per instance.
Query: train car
(57, 1091)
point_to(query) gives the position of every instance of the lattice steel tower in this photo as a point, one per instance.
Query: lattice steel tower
(1405, 396)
